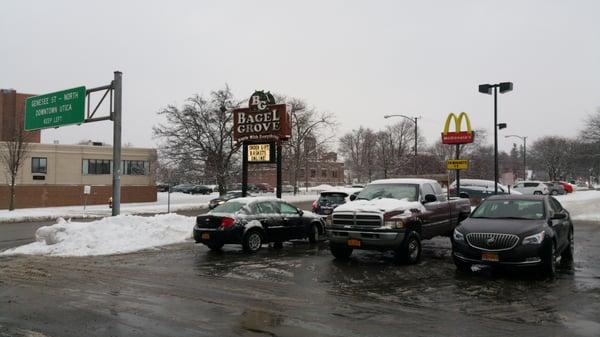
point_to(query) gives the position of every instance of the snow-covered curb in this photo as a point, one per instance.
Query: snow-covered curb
(111, 235)
(179, 202)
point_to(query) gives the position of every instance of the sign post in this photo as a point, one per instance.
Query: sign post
(262, 127)
(457, 137)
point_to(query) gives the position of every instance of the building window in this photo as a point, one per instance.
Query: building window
(313, 173)
(324, 173)
(97, 166)
(334, 174)
(39, 165)
(135, 167)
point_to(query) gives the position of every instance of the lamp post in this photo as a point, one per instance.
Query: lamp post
(414, 120)
(524, 139)
(487, 89)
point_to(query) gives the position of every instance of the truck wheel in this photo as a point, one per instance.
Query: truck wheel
(341, 252)
(410, 250)
(252, 241)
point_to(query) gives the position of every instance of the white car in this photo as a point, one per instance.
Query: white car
(532, 187)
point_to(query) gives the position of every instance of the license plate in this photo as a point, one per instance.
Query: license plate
(493, 257)
(205, 236)
(354, 243)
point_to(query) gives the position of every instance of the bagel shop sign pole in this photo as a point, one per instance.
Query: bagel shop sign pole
(457, 137)
(261, 128)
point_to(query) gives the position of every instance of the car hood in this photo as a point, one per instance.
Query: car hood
(382, 205)
(507, 226)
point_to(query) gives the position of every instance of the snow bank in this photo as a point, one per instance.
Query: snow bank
(583, 205)
(113, 235)
(380, 205)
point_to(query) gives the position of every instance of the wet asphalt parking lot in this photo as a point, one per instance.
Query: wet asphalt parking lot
(300, 290)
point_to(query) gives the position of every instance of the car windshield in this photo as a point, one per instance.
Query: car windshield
(229, 207)
(392, 191)
(510, 209)
(333, 198)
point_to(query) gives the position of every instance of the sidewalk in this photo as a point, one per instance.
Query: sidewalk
(179, 202)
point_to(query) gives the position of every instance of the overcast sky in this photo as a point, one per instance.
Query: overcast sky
(357, 59)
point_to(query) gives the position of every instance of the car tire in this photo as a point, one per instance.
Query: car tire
(313, 235)
(340, 251)
(569, 252)
(549, 261)
(537, 193)
(410, 250)
(252, 241)
(461, 266)
(214, 245)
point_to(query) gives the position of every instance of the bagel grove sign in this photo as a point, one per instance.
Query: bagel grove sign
(263, 119)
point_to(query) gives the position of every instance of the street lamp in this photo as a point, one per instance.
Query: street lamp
(487, 89)
(414, 120)
(524, 139)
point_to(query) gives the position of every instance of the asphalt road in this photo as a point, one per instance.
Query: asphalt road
(300, 290)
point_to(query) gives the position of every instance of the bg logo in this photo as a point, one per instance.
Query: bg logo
(259, 101)
(458, 136)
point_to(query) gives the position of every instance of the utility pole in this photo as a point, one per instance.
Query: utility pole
(116, 180)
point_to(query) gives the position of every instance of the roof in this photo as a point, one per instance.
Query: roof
(416, 181)
(517, 197)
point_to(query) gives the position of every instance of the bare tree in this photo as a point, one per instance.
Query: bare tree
(311, 132)
(358, 149)
(202, 130)
(592, 131)
(552, 154)
(12, 155)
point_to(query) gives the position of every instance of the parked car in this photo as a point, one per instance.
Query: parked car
(162, 188)
(227, 196)
(515, 231)
(328, 201)
(395, 214)
(555, 188)
(568, 187)
(252, 222)
(201, 189)
(531, 187)
(265, 188)
(478, 189)
(183, 188)
(287, 189)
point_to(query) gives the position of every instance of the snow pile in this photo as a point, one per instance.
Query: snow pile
(583, 205)
(380, 205)
(113, 235)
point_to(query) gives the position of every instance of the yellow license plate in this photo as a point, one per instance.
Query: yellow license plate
(493, 257)
(205, 236)
(354, 243)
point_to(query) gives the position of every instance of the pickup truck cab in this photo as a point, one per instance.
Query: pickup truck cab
(395, 214)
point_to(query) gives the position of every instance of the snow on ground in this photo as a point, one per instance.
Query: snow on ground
(111, 235)
(179, 202)
(583, 205)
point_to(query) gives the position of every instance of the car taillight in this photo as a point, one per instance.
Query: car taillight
(227, 222)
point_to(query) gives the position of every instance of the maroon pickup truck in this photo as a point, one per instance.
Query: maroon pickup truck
(395, 214)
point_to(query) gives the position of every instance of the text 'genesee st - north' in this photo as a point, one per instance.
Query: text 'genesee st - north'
(258, 122)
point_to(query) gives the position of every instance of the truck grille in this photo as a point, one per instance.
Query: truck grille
(359, 219)
(492, 241)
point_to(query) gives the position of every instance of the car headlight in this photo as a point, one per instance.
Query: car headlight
(534, 239)
(458, 236)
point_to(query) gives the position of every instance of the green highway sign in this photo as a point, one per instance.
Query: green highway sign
(55, 109)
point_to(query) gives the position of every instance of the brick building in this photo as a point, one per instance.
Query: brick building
(55, 175)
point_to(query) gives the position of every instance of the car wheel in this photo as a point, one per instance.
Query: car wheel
(549, 261)
(313, 236)
(410, 250)
(214, 245)
(340, 251)
(461, 266)
(569, 252)
(537, 193)
(252, 241)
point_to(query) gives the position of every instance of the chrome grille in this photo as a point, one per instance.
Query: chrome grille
(357, 219)
(492, 241)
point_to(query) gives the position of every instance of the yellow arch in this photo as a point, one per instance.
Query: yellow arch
(457, 122)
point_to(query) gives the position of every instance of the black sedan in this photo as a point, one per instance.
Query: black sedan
(328, 201)
(515, 231)
(254, 221)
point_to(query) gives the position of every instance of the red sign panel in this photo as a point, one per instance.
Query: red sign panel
(463, 137)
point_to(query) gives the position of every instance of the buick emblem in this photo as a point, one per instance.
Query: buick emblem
(491, 241)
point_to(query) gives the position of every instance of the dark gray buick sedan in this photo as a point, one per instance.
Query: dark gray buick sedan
(516, 231)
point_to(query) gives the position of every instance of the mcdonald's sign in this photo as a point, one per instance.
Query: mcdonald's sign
(458, 136)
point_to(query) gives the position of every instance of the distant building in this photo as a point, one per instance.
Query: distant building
(55, 175)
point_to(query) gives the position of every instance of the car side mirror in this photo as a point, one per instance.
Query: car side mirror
(300, 212)
(559, 216)
(430, 198)
(463, 195)
(352, 197)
